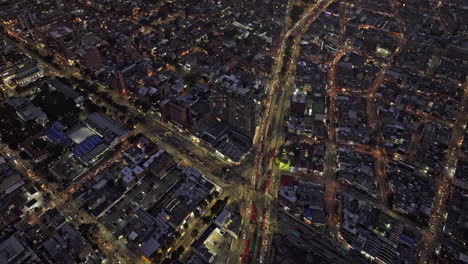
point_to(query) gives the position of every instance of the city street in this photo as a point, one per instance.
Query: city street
(445, 179)
(357, 111)
(271, 137)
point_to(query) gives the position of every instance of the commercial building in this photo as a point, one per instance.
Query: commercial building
(17, 69)
(118, 82)
(113, 131)
(28, 72)
(63, 39)
(16, 251)
(234, 104)
(177, 111)
(26, 111)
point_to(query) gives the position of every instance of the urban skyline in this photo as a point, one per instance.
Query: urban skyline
(260, 131)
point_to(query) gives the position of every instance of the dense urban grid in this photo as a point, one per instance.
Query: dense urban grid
(233, 131)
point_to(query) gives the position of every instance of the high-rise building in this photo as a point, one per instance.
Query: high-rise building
(177, 111)
(9, 57)
(234, 105)
(63, 39)
(118, 82)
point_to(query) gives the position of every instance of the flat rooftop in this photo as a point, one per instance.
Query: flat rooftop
(80, 134)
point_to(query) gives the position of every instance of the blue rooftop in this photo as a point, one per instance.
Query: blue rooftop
(87, 145)
(308, 213)
(407, 239)
(55, 135)
(188, 96)
(58, 125)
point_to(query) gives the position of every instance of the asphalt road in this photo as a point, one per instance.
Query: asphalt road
(260, 203)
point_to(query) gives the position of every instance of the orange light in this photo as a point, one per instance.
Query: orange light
(145, 259)
(185, 53)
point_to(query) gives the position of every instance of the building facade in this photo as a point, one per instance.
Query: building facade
(234, 106)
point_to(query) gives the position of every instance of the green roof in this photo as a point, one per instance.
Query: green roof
(318, 108)
(309, 121)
